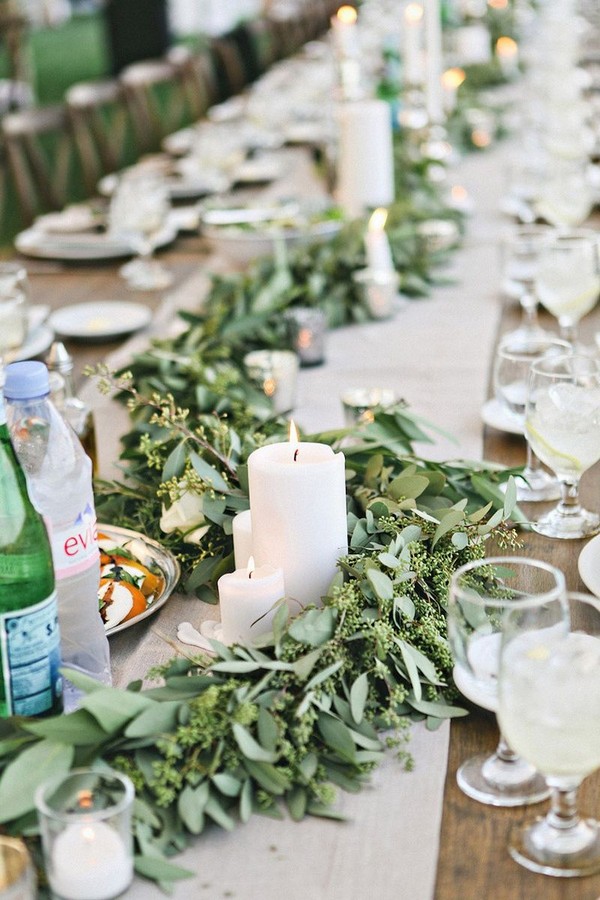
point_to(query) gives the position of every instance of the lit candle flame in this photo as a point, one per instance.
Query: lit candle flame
(459, 193)
(85, 799)
(347, 15)
(251, 566)
(497, 4)
(88, 834)
(413, 13)
(293, 438)
(378, 219)
(453, 78)
(506, 47)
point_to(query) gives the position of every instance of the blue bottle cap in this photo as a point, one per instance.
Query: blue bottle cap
(26, 380)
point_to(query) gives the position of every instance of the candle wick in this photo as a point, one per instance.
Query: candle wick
(250, 573)
(296, 453)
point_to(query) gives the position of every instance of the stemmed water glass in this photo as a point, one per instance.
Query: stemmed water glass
(562, 424)
(512, 364)
(549, 708)
(481, 592)
(138, 211)
(14, 300)
(520, 249)
(567, 279)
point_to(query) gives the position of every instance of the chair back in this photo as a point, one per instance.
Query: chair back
(157, 100)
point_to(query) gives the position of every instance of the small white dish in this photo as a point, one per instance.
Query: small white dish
(100, 321)
(82, 246)
(257, 171)
(70, 220)
(589, 565)
(497, 416)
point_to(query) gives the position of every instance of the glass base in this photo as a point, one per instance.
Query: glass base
(496, 782)
(565, 853)
(146, 275)
(572, 526)
(538, 487)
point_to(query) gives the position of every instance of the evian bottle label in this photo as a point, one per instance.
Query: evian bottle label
(75, 546)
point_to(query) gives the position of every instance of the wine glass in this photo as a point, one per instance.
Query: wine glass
(567, 279)
(137, 214)
(562, 424)
(549, 708)
(511, 372)
(14, 301)
(520, 250)
(480, 593)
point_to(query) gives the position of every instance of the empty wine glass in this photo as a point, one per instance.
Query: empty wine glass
(138, 211)
(511, 373)
(567, 279)
(480, 593)
(562, 424)
(14, 301)
(520, 251)
(549, 708)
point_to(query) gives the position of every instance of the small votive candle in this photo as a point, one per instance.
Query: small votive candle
(307, 333)
(360, 404)
(248, 599)
(85, 823)
(276, 373)
(380, 291)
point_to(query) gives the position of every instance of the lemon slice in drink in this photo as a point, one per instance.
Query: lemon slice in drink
(557, 454)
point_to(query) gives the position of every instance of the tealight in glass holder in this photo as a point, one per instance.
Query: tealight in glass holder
(380, 291)
(17, 874)
(85, 825)
(360, 404)
(275, 372)
(307, 326)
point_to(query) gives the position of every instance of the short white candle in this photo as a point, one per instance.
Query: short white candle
(298, 503)
(433, 50)
(248, 599)
(451, 81)
(242, 538)
(412, 44)
(89, 861)
(379, 254)
(507, 54)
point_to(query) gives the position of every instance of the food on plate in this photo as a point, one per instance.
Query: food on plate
(129, 583)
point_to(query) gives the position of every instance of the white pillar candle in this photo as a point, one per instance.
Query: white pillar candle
(472, 45)
(89, 861)
(345, 33)
(433, 51)
(248, 599)
(379, 254)
(412, 43)
(365, 169)
(507, 54)
(242, 538)
(451, 81)
(298, 503)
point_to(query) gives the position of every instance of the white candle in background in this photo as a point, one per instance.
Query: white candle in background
(248, 599)
(433, 56)
(89, 861)
(298, 503)
(412, 44)
(365, 167)
(379, 254)
(345, 32)
(507, 54)
(472, 45)
(242, 538)
(451, 81)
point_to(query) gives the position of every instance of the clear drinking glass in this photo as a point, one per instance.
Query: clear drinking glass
(480, 594)
(520, 251)
(567, 279)
(562, 424)
(511, 373)
(14, 302)
(549, 708)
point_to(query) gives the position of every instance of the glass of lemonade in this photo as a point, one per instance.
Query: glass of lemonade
(567, 279)
(562, 424)
(480, 594)
(549, 709)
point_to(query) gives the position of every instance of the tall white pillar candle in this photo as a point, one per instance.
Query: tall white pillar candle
(412, 44)
(248, 599)
(433, 57)
(377, 246)
(242, 538)
(345, 32)
(365, 176)
(298, 503)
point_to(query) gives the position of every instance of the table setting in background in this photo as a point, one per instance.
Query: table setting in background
(303, 594)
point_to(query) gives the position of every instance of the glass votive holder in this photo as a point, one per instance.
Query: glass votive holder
(360, 404)
(307, 326)
(17, 874)
(380, 291)
(438, 235)
(14, 301)
(276, 373)
(85, 825)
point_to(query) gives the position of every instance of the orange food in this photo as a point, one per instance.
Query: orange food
(151, 585)
(139, 604)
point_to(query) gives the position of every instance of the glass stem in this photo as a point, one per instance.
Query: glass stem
(569, 499)
(563, 805)
(530, 312)
(568, 330)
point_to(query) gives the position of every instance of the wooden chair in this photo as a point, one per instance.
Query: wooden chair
(42, 161)
(197, 72)
(102, 128)
(232, 72)
(157, 99)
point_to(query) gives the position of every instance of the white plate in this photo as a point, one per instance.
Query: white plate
(497, 416)
(70, 220)
(100, 321)
(589, 565)
(244, 245)
(179, 187)
(83, 246)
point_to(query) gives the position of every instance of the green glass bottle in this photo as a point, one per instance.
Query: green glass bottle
(30, 680)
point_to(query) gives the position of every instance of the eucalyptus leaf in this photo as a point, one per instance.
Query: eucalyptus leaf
(250, 747)
(358, 697)
(21, 778)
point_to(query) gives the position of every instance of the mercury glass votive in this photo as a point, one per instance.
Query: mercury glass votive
(17, 874)
(276, 374)
(307, 326)
(85, 825)
(379, 289)
(360, 404)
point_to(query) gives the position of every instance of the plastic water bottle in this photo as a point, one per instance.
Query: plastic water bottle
(30, 681)
(59, 477)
